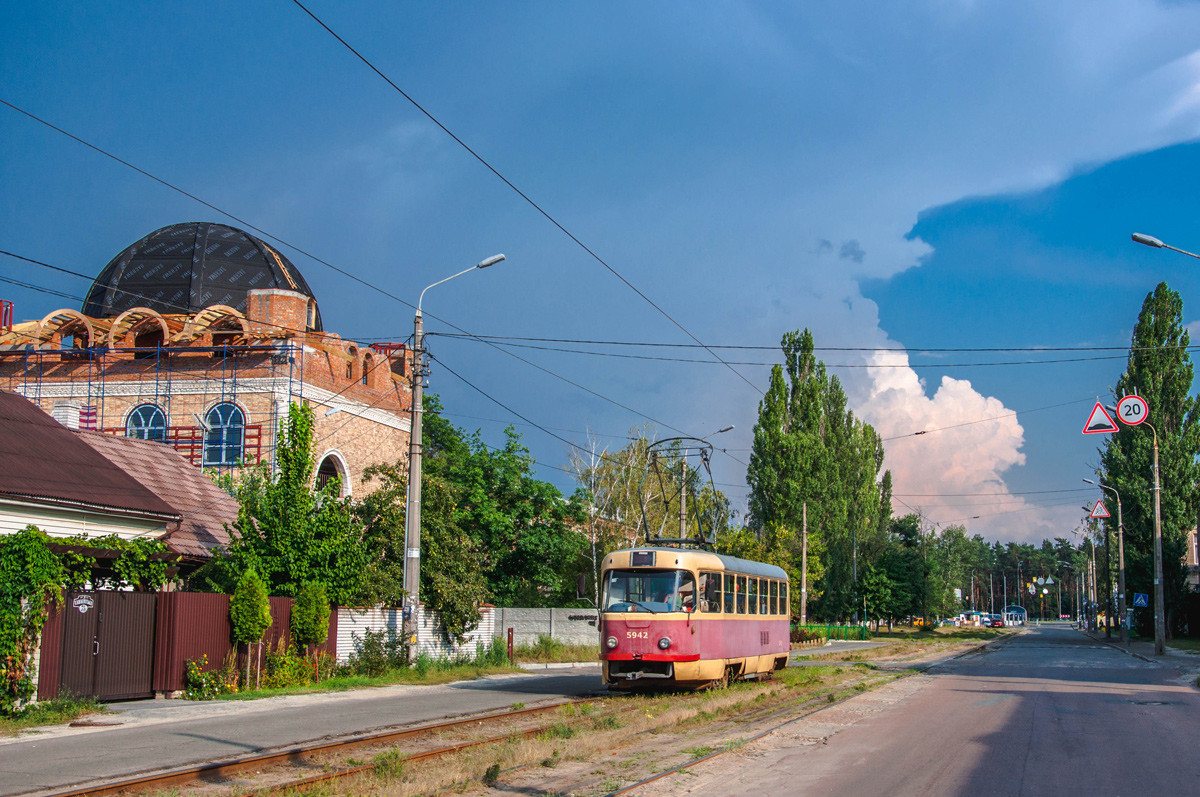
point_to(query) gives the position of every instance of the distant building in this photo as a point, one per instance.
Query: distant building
(199, 336)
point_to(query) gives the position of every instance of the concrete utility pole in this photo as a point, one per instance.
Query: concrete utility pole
(1160, 617)
(803, 562)
(412, 513)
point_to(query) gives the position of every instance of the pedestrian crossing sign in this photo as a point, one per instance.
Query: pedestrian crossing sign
(1141, 599)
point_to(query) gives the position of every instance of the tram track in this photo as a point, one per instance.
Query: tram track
(220, 771)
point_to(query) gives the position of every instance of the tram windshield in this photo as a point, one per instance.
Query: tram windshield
(650, 591)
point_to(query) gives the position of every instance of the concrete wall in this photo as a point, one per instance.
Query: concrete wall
(569, 626)
(353, 622)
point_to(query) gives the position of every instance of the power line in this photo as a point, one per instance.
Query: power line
(313, 257)
(884, 349)
(524, 196)
(40, 289)
(983, 420)
(693, 360)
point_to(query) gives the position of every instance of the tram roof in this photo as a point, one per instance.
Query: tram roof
(745, 566)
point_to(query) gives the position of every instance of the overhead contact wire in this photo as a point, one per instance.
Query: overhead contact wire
(523, 195)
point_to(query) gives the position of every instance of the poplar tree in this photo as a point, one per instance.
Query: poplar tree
(1160, 370)
(809, 448)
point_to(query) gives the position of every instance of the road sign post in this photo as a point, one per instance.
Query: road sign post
(1133, 410)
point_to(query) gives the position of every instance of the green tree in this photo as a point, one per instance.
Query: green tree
(250, 613)
(810, 450)
(1160, 370)
(524, 529)
(310, 615)
(289, 532)
(452, 582)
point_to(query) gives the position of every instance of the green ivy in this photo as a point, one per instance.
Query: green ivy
(30, 578)
(138, 568)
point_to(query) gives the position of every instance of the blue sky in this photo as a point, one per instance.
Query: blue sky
(923, 175)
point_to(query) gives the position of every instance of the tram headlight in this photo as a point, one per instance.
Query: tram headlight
(611, 642)
(664, 643)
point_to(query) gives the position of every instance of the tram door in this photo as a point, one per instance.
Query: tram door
(108, 644)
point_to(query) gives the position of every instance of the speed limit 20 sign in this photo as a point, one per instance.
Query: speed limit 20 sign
(1133, 410)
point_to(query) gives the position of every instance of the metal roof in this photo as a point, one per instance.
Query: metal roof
(745, 566)
(45, 462)
(203, 507)
(184, 268)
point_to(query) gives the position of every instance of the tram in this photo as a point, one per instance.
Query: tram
(680, 618)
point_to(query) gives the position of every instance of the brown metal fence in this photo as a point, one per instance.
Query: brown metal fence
(178, 626)
(195, 624)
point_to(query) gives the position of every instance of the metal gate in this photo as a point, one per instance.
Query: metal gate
(108, 644)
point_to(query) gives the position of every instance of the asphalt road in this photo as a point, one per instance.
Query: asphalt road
(1050, 712)
(173, 733)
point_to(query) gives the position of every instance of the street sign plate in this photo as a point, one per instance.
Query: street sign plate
(1099, 510)
(1099, 422)
(1133, 410)
(1141, 599)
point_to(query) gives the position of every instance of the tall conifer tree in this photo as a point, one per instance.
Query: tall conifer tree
(1160, 370)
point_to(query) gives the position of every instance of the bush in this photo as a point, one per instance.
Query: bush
(286, 667)
(310, 615)
(377, 652)
(201, 683)
(493, 655)
(804, 635)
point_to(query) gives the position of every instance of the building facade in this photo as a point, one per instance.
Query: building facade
(200, 336)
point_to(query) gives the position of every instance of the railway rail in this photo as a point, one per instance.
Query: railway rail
(298, 753)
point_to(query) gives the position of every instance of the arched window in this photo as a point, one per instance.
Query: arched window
(223, 442)
(332, 465)
(147, 422)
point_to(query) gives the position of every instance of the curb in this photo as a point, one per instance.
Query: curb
(974, 649)
(557, 665)
(1123, 650)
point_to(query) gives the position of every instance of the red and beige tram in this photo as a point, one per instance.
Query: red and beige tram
(686, 618)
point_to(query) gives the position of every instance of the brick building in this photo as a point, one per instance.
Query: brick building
(200, 335)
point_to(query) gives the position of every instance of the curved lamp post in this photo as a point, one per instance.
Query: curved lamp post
(1120, 561)
(412, 514)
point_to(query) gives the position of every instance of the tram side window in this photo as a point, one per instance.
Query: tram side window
(752, 595)
(730, 593)
(762, 598)
(740, 590)
(710, 592)
(784, 606)
(774, 597)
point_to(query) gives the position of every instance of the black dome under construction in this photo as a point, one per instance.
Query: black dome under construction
(184, 268)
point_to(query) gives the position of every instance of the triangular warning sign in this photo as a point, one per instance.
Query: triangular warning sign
(1099, 422)
(1099, 510)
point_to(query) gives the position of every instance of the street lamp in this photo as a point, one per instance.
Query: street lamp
(412, 514)
(1120, 559)
(1150, 240)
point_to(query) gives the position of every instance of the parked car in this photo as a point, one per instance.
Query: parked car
(995, 621)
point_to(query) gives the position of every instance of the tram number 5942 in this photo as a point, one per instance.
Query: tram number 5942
(637, 634)
(1133, 410)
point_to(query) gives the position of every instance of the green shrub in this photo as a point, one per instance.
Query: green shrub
(377, 652)
(310, 615)
(202, 683)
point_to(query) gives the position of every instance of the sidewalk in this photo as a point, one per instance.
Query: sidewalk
(1185, 661)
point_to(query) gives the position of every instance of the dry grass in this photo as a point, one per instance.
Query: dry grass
(594, 746)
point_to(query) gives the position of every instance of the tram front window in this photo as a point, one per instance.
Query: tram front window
(650, 591)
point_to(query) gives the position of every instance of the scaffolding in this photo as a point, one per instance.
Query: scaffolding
(104, 385)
